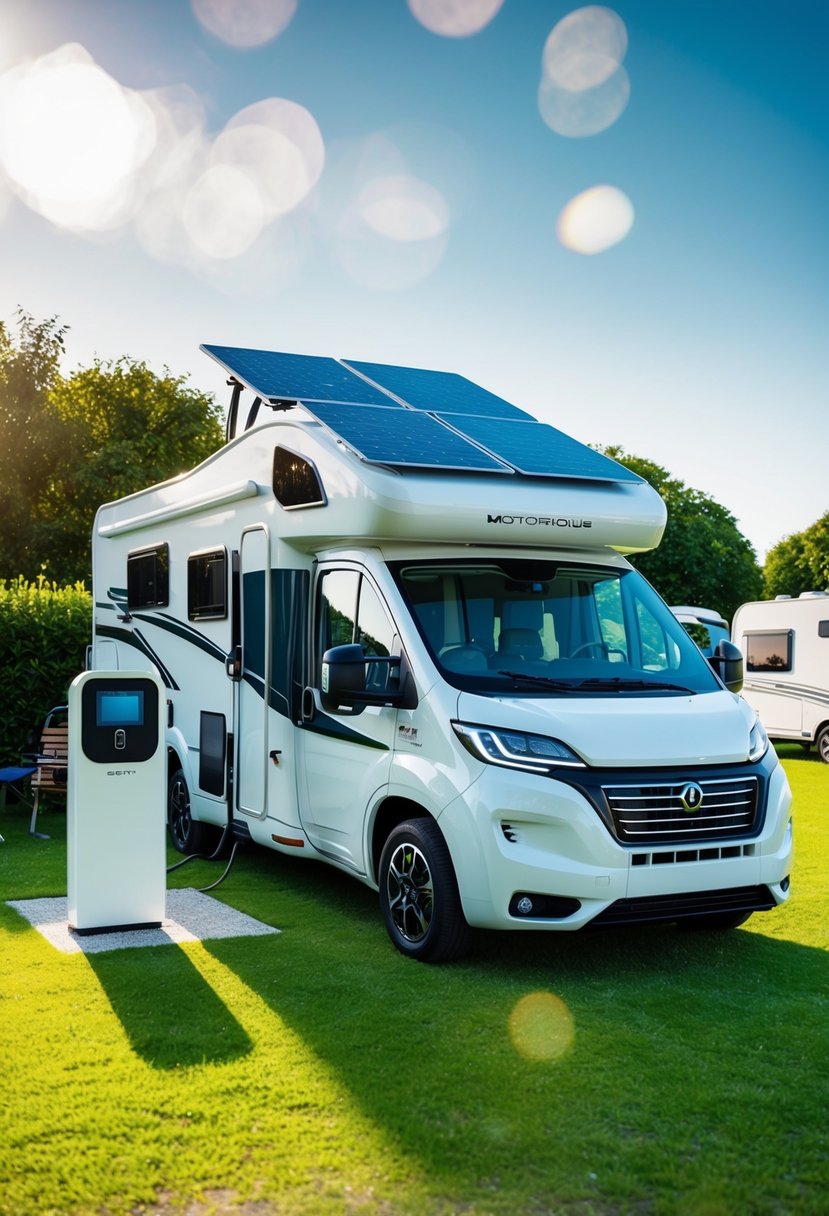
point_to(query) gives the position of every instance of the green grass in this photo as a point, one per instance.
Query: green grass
(318, 1071)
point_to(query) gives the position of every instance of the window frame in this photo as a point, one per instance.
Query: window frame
(161, 571)
(210, 612)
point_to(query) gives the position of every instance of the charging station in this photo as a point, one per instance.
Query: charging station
(116, 802)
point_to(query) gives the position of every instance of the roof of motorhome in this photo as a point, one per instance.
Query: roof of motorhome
(416, 419)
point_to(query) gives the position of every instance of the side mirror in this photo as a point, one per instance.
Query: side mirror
(727, 661)
(352, 678)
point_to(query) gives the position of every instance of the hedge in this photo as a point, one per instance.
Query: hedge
(44, 632)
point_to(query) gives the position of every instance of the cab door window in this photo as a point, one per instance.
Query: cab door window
(349, 611)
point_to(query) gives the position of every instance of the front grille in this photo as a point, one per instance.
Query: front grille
(675, 812)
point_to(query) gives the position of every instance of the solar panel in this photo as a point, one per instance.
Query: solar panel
(272, 375)
(438, 392)
(402, 438)
(539, 450)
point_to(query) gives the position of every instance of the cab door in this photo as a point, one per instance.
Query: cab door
(345, 756)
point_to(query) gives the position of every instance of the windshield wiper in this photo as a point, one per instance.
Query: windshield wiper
(617, 683)
(596, 683)
(547, 681)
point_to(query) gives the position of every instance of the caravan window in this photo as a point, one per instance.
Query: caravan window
(769, 651)
(207, 585)
(296, 482)
(148, 577)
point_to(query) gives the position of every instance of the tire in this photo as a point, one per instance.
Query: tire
(822, 742)
(186, 833)
(419, 894)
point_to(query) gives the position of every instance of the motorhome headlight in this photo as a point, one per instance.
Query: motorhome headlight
(758, 742)
(516, 749)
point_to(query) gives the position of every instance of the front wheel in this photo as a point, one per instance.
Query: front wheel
(419, 894)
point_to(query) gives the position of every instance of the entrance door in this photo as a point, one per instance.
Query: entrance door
(252, 732)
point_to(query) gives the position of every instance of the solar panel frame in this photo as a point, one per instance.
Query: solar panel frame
(403, 438)
(437, 392)
(536, 449)
(276, 376)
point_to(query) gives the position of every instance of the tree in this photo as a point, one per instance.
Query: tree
(799, 562)
(703, 559)
(30, 436)
(70, 444)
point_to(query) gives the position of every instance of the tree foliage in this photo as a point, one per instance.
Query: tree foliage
(44, 632)
(70, 444)
(799, 562)
(703, 559)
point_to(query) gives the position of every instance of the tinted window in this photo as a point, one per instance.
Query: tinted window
(770, 651)
(207, 585)
(295, 481)
(148, 578)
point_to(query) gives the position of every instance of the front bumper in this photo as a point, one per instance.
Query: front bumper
(545, 839)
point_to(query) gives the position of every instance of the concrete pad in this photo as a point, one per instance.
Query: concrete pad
(191, 916)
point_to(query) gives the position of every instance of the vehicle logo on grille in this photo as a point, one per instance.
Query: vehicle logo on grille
(690, 797)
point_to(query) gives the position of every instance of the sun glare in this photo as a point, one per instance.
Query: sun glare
(244, 23)
(541, 1027)
(454, 18)
(595, 220)
(71, 139)
(584, 88)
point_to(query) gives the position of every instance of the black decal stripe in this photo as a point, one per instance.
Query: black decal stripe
(161, 620)
(138, 642)
(321, 724)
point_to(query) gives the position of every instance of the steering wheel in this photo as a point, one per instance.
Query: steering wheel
(602, 647)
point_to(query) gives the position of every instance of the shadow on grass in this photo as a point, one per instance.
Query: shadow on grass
(171, 1015)
(676, 1047)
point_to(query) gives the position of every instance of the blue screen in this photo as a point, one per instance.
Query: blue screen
(120, 708)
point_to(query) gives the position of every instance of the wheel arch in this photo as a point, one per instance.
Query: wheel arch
(392, 811)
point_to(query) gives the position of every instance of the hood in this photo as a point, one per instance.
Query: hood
(619, 731)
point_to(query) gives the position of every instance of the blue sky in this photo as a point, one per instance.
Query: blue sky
(406, 200)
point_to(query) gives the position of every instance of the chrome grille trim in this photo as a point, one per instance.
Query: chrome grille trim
(654, 813)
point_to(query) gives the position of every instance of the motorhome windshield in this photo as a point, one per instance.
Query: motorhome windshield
(550, 628)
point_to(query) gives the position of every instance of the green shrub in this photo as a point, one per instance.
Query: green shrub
(44, 632)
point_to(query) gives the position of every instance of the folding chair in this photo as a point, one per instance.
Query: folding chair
(50, 759)
(9, 780)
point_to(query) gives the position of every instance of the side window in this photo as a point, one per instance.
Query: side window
(350, 610)
(337, 619)
(611, 620)
(148, 577)
(207, 585)
(659, 652)
(770, 651)
(296, 482)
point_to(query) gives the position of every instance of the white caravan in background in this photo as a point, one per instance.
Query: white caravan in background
(785, 642)
(399, 634)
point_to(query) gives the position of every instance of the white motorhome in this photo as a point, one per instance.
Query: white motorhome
(399, 634)
(785, 643)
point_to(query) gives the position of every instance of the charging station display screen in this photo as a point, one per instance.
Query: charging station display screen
(120, 708)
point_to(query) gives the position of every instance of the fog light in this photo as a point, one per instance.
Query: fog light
(524, 905)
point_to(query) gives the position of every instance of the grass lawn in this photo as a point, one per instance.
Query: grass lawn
(317, 1071)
